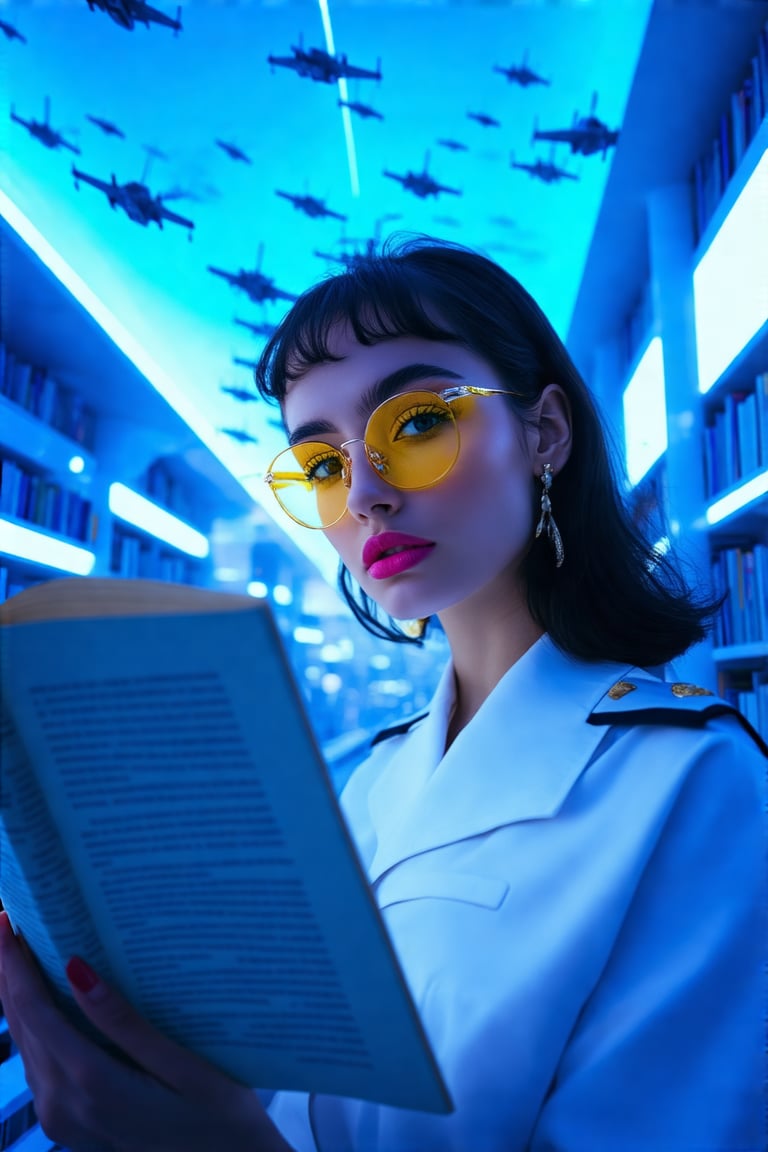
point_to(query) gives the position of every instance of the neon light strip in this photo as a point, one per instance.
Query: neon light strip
(730, 287)
(149, 517)
(739, 498)
(346, 118)
(29, 544)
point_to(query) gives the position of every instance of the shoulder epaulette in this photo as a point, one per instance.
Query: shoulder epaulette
(642, 701)
(397, 729)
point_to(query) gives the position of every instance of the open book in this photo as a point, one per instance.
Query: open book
(166, 814)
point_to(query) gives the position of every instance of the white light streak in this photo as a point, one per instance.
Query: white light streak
(28, 544)
(149, 517)
(739, 498)
(346, 118)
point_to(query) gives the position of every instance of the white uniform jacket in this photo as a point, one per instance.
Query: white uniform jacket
(578, 913)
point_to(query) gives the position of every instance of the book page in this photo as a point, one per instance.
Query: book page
(205, 836)
(37, 887)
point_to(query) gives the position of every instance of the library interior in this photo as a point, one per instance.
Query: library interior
(172, 179)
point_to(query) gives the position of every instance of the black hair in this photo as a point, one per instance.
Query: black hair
(616, 597)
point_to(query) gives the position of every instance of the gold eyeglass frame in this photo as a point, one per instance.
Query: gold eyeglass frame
(372, 455)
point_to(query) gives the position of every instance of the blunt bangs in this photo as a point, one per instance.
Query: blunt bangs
(381, 300)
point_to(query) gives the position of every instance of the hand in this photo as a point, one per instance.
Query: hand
(168, 1099)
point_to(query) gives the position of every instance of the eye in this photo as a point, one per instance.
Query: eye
(420, 420)
(324, 467)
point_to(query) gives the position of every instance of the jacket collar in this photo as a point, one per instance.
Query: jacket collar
(517, 759)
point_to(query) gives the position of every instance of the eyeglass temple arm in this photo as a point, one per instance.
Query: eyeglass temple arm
(460, 390)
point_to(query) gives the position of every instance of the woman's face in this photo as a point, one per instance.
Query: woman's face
(470, 531)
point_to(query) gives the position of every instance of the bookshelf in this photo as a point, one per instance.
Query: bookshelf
(666, 201)
(77, 419)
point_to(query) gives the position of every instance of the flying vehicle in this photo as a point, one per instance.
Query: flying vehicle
(11, 32)
(107, 127)
(545, 170)
(241, 394)
(362, 249)
(349, 259)
(316, 64)
(421, 183)
(252, 364)
(521, 74)
(484, 119)
(264, 329)
(453, 145)
(135, 199)
(253, 282)
(239, 434)
(588, 134)
(127, 13)
(42, 131)
(233, 151)
(363, 110)
(310, 206)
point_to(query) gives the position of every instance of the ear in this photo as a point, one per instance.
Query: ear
(551, 436)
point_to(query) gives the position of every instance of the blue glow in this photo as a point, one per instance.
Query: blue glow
(730, 282)
(149, 517)
(739, 498)
(258, 589)
(29, 544)
(645, 413)
(76, 465)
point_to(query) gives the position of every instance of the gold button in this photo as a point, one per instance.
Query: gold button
(681, 690)
(621, 688)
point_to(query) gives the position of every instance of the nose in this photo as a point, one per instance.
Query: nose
(367, 493)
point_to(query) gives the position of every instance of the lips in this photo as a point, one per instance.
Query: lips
(377, 546)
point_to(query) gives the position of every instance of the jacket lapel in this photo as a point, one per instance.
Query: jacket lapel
(516, 760)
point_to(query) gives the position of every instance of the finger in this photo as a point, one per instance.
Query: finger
(27, 1002)
(183, 1071)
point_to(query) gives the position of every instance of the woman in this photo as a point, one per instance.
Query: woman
(567, 847)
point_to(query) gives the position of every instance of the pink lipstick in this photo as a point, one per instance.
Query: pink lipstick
(390, 553)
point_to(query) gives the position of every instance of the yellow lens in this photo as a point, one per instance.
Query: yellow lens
(412, 440)
(308, 482)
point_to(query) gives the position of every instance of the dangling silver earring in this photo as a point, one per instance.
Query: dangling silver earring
(546, 522)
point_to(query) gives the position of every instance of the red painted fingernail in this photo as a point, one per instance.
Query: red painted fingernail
(81, 975)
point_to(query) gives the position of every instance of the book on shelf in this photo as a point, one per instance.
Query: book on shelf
(735, 129)
(33, 388)
(736, 437)
(166, 814)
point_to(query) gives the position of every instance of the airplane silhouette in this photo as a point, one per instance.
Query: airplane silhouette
(316, 64)
(484, 119)
(587, 135)
(454, 145)
(264, 329)
(363, 249)
(127, 13)
(363, 110)
(252, 364)
(11, 32)
(106, 126)
(521, 74)
(545, 170)
(42, 131)
(254, 283)
(239, 434)
(234, 152)
(135, 199)
(310, 205)
(241, 394)
(421, 183)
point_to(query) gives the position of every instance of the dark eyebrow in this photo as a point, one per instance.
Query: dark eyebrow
(379, 392)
